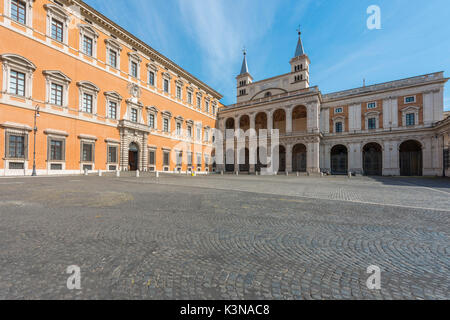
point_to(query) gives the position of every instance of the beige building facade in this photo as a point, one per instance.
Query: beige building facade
(393, 128)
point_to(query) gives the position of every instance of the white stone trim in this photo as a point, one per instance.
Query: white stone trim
(134, 105)
(89, 31)
(21, 64)
(53, 132)
(408, 110)
(337, 119)
(166, 115)
(409, 96)
(152, 111)
(134, 57)
(113, 44)
(87, 87)
(57, 77)
(372, 114)
(113, 96)
(28, 12)
(56, 12)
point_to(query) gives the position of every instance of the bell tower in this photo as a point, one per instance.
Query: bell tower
(243, 80)
(300, 66)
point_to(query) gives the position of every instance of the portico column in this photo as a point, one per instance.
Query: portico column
(312, 158)
(288, 119)
(313, 117)
(144, 156)
(289, 157)
(355, 158)
(327, 159)
(269, 120)
(252, 143)
(237, 126)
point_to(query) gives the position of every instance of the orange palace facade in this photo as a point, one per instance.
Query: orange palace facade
(103, 99)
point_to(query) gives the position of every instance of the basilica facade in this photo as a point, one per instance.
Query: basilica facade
(393, 128)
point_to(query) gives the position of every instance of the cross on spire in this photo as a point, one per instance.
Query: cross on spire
(299, 50)
(244, 68)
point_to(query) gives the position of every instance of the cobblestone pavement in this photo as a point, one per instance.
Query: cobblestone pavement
(224, 237)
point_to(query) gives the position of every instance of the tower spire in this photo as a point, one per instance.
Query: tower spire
(299, 50)
(244, 68)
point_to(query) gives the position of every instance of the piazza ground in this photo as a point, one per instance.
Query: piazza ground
(224, 237)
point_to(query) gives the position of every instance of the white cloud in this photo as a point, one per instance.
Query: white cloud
(221, 28)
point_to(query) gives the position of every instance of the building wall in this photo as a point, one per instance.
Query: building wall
(389, 134)
(46, 54)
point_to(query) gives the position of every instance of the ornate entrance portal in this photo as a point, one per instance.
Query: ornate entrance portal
(133, 157)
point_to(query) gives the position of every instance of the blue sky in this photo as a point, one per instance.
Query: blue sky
(206, 38)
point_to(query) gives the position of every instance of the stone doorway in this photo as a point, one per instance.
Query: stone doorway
(339, 160)
(373, 159)
(299, 158)
(411, 158)
(133, 157)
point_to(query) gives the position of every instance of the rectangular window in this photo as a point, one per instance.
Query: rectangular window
(16, 165)
(166, 157)
(338, 110)
(447, 158)
(166, 85)
(151, 121)
(372, 123)
(178, 92)
(87, 103)
(199, 159)
(189, 159)
(410, 99)
(166, 125)
(151, 78)
(410, 119)
(213, 109)
(17, 147)
(17, 83)
(371, 105)
(338, 127)
(18, 11)
(206, 106)
(56, 166)
(87, 46)
(134, 69)
(134, 115)
(189, 97)
(112, 154)
(151, 158)
(189, 130)
(178, 129)
(113, 58)
(56, 150)
(206, 160)
(179, 159)
(199, 134)
(56, 94)
(112, 110)
(199, 102)
(206, 135)
(87, 152)
(57, 30)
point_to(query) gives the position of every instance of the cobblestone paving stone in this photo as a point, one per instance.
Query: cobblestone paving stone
(224, 237)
